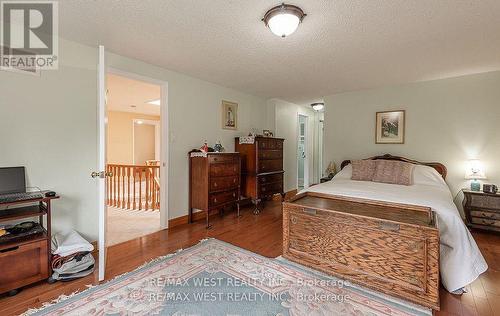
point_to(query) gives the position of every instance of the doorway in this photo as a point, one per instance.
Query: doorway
(133, 157)
(302, 147)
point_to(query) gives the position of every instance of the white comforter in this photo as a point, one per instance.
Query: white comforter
(461, 262)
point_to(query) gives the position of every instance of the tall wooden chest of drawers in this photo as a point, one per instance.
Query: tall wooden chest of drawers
(261, 168)
(482, 210)
(214, 182)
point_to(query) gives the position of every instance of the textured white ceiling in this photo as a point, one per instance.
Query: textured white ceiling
(342, 45)
(124, 92)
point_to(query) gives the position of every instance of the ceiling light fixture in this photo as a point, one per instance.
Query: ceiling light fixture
(154, 102)
(318, 106)
(283, 19)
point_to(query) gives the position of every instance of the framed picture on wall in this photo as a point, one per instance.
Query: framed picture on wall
(229, 115)
(390, 127)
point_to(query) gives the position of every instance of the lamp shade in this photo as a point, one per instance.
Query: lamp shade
(474, 170)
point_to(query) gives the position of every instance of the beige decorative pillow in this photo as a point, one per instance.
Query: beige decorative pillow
(363, 170)
(393, 172)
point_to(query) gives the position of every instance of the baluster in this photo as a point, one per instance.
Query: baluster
(146, 174)
(140, 188)
(115, 202)
(123, 187)
(117, 192)
(152, 189)
(118, 197)
(114, 185)
(109, 182)
(107, 187)
(153, 192)
(111, 185)
(128, 187)
(134, 183)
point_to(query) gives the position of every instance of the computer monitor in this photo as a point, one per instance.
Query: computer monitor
(12, 180)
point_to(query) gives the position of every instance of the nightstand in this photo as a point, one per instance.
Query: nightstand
(482, 210)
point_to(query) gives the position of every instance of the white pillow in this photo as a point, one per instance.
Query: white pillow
(427, 176)
(345, 173)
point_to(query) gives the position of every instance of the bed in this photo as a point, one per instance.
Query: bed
(461, 262)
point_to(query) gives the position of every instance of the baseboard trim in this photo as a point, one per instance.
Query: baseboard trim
(181, 220)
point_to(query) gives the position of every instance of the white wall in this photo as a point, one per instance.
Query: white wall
(49, 125)
(194, 115)
(120, 136)
(286, 117)
(448, 121)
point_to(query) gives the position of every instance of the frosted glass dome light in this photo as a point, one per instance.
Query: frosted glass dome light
(284, 19)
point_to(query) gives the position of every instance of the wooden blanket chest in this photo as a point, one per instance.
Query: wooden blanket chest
(391, 248)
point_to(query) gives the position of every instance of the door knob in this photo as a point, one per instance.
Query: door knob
(101, 174)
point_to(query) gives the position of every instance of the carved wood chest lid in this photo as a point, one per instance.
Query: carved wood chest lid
(395, 212)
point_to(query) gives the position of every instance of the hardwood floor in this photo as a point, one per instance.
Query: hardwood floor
(261, 234)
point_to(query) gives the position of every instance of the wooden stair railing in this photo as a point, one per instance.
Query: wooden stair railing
(133, 187)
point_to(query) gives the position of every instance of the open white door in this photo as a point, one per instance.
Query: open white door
(102, 112)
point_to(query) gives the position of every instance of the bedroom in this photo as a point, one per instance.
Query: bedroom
(436, 61)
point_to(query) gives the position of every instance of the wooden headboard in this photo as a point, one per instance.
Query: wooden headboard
(436, 165)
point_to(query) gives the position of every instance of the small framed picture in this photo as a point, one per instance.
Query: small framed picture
(390, 127)
(229, 115)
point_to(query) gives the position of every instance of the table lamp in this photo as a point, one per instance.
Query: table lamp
(474, 172)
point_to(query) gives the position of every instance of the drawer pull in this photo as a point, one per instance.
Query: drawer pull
(486, 222)
(294, 220)
(234, 180)
(389, 226)
(215, 200)
(310, 211)
(414, 247)
(215, 184)
(9, 249)
(234, 194)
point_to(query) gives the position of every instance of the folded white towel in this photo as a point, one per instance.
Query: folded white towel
(70, 242)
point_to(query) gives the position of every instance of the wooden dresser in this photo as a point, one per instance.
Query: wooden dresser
(214, 182)
(482, 210)
(261, 168)
(391, 248)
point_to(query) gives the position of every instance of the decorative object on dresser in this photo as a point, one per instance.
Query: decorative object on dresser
(482, 210)
(388, 247)
(218, 148)
(267, 133)
(390, 127)
(31, 250)
(261, 168)
(490, 188)
(214, 182)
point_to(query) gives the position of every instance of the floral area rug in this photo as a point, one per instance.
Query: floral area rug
(216, 278)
